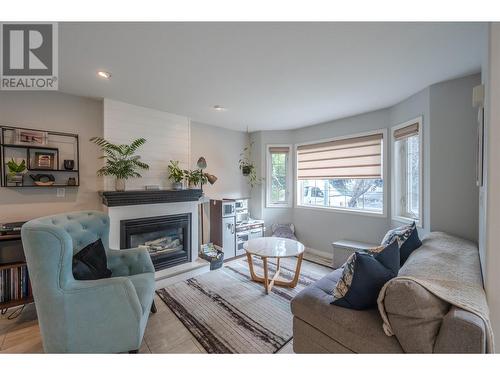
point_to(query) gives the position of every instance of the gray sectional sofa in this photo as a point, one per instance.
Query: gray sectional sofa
(422, 322)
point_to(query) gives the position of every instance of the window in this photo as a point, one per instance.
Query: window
(343, 173)
(278, 176)
(407, 169)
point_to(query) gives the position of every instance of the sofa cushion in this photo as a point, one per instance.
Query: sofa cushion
(364, 274)
(415, 315)
(407, 237)
(358, 330)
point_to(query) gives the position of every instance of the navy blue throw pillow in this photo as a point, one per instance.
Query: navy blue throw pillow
(365, 273)
(408, 240)
(91, 263)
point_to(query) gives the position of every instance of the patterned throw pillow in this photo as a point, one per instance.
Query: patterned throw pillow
(407, 237)
(364, 274)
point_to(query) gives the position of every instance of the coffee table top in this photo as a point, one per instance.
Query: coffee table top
(274, 247)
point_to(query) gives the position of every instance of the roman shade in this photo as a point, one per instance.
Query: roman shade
(357, 157)
(405, 132)
(279, 149)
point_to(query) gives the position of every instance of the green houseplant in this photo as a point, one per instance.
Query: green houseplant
(247, 167)
(175, 174)
(195, 177)
(16, 171)
(121, 161)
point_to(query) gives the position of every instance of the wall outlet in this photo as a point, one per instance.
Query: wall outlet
(61, 192)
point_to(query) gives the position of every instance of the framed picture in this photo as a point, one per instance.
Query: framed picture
(31, 137)
(44, 160)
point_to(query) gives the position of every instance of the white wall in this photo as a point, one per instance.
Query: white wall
(167, 136)
(492, 279)
(58, 112)
(221, 149)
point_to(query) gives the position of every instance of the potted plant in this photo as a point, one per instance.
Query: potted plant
(247, 167)
(195, 177)
(16, 172)
(121, 161)
(175, 174)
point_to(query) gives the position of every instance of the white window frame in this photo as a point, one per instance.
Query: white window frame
(397, 179)
(340, 209)
(289, 178)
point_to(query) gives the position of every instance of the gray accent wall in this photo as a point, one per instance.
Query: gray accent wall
(415, 106)
(449, 193)
(453, 132)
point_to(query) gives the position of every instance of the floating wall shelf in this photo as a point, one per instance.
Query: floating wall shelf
(43, 151)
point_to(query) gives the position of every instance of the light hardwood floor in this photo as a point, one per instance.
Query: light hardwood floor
(164, 334)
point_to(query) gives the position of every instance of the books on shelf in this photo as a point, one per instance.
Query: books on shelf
(14, 284)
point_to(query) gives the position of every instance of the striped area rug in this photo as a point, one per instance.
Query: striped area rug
(228, 313)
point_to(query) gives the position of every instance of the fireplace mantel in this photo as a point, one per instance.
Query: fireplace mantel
(138, 197)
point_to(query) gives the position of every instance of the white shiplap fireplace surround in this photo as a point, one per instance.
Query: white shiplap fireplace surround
(167, 138)
(117, 214)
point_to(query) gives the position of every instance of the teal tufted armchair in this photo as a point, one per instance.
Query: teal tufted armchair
(96, 316)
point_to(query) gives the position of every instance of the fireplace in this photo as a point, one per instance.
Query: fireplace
(167, 238)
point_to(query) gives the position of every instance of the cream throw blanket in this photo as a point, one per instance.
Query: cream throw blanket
(449, 268)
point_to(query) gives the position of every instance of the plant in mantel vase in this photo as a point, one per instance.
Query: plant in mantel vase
(195, 178)
(175, 174)
(121, 160)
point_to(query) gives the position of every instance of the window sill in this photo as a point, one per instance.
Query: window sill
(276, 205)
(406, 220)
(345, 210)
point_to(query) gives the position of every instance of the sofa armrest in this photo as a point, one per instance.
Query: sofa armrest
(461, 332)
(129, 262)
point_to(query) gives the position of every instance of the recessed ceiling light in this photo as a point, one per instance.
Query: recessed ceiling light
(219, 108)
(103, 74)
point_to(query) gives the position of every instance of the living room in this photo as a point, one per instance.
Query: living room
(233, 187)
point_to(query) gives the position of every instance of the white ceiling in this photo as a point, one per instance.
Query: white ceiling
(268, 75)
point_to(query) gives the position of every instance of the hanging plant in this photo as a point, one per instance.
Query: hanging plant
(247, 167)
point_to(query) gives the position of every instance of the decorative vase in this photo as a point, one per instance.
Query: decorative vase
(69, 165)
(120, 184)
(177, 185)
(191, 185)
(15, 178)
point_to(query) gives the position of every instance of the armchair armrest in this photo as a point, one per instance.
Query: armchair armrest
(129, 262)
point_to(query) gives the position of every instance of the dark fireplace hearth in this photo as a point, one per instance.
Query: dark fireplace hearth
(167, 238)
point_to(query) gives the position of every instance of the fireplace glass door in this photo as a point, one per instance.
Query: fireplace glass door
(166, 238)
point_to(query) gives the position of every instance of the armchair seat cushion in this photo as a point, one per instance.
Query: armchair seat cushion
(144, 285)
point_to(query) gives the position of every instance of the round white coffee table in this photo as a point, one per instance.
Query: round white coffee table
(273, 247)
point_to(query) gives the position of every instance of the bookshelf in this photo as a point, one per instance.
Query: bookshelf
(15, 287)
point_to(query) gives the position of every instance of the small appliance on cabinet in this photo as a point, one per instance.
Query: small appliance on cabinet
(223, 226)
